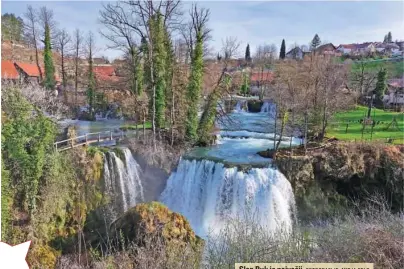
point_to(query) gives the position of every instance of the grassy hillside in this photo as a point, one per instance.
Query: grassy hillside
(381, 131)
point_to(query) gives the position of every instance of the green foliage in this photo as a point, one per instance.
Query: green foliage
(388, 38)
(27, 137)
(394, 69)
(160, 56)
(315, 42)
(139, 76)
(248, 53)
(381, 84)
(49, 81)
(245, 87)
(354, 132)
(208, 118)
(6, 203)
(170, 56)
(12, 27)
(91, 85)
(194, 89)
(282, 53)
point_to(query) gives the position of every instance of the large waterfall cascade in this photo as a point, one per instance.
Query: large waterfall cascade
(206, 192)
(123, 181)
(209, 193)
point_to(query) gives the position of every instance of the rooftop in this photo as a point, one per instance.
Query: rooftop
(8, 70)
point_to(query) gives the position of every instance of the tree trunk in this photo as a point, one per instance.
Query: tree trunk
(370, 106)
(144, 125)
(305, 131)
(76, 80)
(324, 120)
(283, 123)
(172, 116)
(276, 119)
(63, 68)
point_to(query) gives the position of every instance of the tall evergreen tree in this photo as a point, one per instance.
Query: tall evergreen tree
(194, 88)
(91, 76)
(381, 84)
(159, 55)
(247, 53)
(12, 27)
(49, 81)
(389, 38)
(315, 42)
(282, 53)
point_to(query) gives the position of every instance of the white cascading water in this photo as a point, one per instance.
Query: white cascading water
(122, 181)
(207, 194)
(241, 106)
(268, 107)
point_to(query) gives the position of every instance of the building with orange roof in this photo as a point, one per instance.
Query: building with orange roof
(31, 72)
(106, 73)
(8, 71)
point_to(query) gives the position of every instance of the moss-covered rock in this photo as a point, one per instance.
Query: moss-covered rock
(156, 219)
(326, 179)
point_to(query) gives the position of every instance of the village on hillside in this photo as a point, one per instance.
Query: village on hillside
(18, 65)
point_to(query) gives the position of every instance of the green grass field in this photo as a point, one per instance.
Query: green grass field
(337, 126)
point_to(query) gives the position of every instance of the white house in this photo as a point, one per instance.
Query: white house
(295, 53)
(346, 48)
(395, 93)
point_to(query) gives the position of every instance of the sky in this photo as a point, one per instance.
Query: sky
(255, 22)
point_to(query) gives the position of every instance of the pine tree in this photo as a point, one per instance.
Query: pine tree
(194, 89)
(389, 38)
(282, 53)
(49, 81)
(247, 53)
(381, 84)
(315, 42)
(91, 82)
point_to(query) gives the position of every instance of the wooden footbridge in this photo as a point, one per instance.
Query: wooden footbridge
(89, 138)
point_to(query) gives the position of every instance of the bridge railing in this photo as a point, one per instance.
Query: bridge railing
(89, 138)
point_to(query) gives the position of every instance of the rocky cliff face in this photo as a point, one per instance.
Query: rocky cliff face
(329, 179)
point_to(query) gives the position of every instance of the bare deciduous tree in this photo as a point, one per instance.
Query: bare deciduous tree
(230, 47)
(46, 18)
(32, 33)
(199, 18)
(77, 46)
(62, 45)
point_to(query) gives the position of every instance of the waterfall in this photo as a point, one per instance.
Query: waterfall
(122, 182)
(240, 106)
(207, 194)
(269, 107)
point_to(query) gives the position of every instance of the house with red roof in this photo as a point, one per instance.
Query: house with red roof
(357, 49)
(30, 73)
(346, 48)
(106, 73)
(260, 79)
(9, 72)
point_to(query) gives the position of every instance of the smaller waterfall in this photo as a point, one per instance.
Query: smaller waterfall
(241, 106)
(122, 182)
(269, 107)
